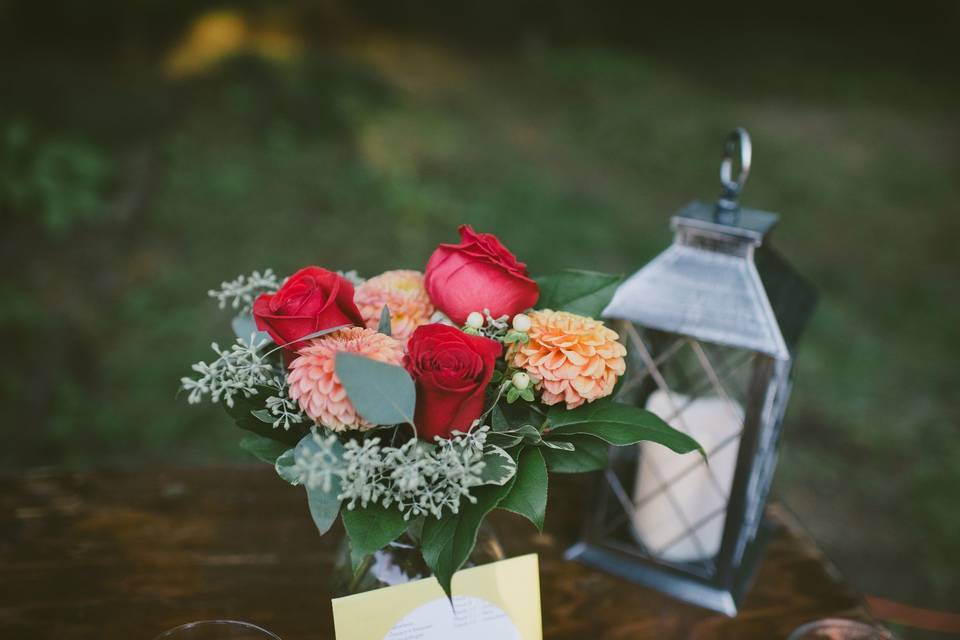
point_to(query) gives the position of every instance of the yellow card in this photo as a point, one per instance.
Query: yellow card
(499, 601)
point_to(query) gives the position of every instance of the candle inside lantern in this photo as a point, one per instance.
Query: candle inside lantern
(681, 502)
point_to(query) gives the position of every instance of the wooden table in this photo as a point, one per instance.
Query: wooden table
(127, 555)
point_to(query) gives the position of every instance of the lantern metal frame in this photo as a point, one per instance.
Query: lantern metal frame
(721, 292)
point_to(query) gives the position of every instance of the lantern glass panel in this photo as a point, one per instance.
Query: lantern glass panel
(669, 508)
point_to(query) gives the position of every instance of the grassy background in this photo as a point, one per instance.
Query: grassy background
(151, 150)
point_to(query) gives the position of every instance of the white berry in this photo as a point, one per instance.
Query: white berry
(522, 322)
(520, 380)
(475, 320)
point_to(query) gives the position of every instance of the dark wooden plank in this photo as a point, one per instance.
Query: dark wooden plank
(127, 555)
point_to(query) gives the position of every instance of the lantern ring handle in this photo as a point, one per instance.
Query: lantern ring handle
(737, 138)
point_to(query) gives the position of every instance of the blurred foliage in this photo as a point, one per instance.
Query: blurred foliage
(191, 147)
(60, 180)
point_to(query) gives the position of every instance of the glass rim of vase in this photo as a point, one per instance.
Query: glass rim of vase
(844, 624)
(187, 626)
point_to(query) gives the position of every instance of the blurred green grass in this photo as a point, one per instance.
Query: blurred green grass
(366, 153)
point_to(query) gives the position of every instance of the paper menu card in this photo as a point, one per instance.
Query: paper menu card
(491, 602)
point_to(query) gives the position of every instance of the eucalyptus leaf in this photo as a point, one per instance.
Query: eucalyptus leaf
(324, 505)
(583, 292)
(619, 424)
(499, 466)
(264, 449)
(307, 446)
(528, 496)
(448, 541)
(385, 327)
(372, 528)
(244, 326)
(589, 454)
(285, 467)
(382, 393)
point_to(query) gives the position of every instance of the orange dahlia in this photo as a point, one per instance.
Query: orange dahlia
(571, 358)
(403, 292)
(313, 380)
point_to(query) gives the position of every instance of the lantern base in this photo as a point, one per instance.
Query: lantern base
(723, 599)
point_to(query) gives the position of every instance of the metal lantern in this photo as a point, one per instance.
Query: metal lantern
(711, 326)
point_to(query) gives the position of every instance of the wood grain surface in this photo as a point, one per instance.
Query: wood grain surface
(127, 555)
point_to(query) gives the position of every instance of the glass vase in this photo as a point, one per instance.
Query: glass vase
(217, 630)
(400, 562)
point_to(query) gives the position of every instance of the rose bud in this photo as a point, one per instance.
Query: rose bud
(478, 273)
(311, 300)
(452, 370)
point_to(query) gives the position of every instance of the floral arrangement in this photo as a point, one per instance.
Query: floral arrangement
(422, 402)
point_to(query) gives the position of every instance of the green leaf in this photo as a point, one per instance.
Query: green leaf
(265, 449)
(382, 393)
(372, 528)
(526, 433)
(385, 326)
(515, 336)
(498, 420)
(507, 416)
(584, 292)
(324, 505)
(618, 424)
(504, 439)
(448, 542)
(561, 445)
(530, 434)
(589, 454)
(242, 413)
(528, 497)
(499, 466)
(264, 415)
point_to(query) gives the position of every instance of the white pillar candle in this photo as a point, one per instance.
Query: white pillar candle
(696, 495)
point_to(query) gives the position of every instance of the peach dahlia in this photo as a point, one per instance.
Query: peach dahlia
(571, 358)
(313, 380)
(404, 293)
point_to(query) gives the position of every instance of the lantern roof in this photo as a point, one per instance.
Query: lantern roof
(720, 282)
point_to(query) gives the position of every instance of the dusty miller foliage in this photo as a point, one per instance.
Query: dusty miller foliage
(416, 478)
(243, 290)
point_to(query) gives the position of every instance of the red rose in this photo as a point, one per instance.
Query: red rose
(452, 370)
(477, 274)
(310, 300)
